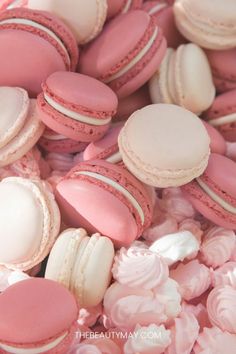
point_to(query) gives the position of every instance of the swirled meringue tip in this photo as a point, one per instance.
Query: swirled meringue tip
(183, 334)
(199, 311)
(139, 267)
(176, 247)
(215, 341)
(152, 339)
(221, 307)
(193, 279)
(161, 228)
(225, 275)
(217, 246)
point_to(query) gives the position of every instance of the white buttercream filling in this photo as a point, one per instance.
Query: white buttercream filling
(115, 158)
(77, 116)
(36, 25)
(229, 118)
(127, 6)
(37, 350)
(215, 197)
(117, 187)
(133, 62)
(156, 8)
(54, 137)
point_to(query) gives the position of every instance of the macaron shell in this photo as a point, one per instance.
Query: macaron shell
(85, 19)
(26, 138)
(24, 68)
(218, 143)
(14, 105)
(29, 303)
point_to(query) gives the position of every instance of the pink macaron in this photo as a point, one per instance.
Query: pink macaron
(106, 198)
(37, 316)
(65, 106)
(213, 194)
(54, 142)
(116, 7)
(223, 68)
(127, 66)
(222, 114)
(164, 15)
(105, 148)
(54, 48)
(217, 142)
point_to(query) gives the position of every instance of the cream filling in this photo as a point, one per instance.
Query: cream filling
(37, 350)
(229, 118)
(115, 158)
(133, 62)
(127, 6)
(77, 116)
(54, 137)
(215, 197)
(156, 8)
(36, 25)
(117, 187)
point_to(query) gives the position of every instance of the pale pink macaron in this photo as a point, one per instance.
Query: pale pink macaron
(20, 126)
(38, 316)
(184, 78)
(218, 143)
(129, 65)
(65, 106)
(178, 136)
(55, 48)
(164, 15)
(30, 219)
(85, 18)
(116, 7)
(82, 264)
(105, 148)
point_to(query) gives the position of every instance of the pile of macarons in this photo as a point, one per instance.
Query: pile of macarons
(117, 177)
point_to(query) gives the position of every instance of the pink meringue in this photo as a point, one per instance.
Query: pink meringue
(88, 317)
(137, 267)
(193, 279)
(183, 334)
(148, 340)
(221, 307)
(193, 226)
(217, 246)
(225, 275)
(214, 341)
(60, 162)
(96, 346)
(176, 205)
(166, 225)
(176, 247)
(200, 313)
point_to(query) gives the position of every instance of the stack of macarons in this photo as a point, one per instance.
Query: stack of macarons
(117, 176)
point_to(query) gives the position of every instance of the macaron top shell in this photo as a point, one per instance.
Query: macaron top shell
(74, 91)
(223, 105)
(168, 140)
(14, 105)
(35, 310)
(218, 143)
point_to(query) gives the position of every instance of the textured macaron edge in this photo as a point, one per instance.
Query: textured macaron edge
(51, 22)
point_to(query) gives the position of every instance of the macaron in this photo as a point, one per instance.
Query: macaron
(164, 15)
(37, 316)
(127, 66)
(213, 194)
(170, 146)
(30, 219)
(217, 142)
(82, 264)
(85, 18)
(223, 68)
(184, 79)
(53, 142)
(55, 48)
(116, 7)
(105, 198)
(210, 26)
(65, 106)
(20, 126)
(105, 148)
(222, 115)
(131, 103)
